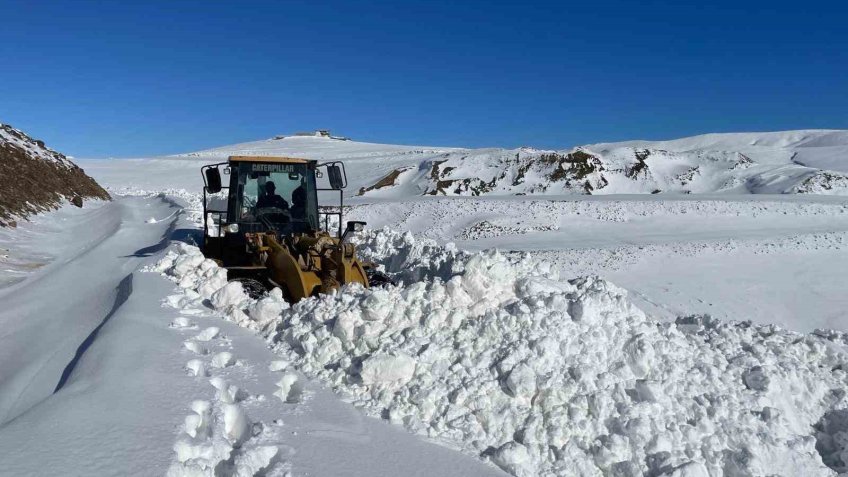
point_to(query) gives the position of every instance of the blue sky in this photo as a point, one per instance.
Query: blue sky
(98, 79)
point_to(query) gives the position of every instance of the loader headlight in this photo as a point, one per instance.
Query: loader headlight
(231, 229)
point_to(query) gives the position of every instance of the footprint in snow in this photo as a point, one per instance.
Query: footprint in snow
(197, 368)
(227, 393)
(219, 442)
(208, 334)
(255, 461)
(197, 425)
(223, 359)
(290, 388)
(182, 323)
(194, 347)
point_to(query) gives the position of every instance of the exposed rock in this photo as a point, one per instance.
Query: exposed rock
(822, 182)
(611, 169)
(641, 167)
(37, 178)
(387, 181)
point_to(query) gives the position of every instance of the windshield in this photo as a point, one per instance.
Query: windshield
(277, 193)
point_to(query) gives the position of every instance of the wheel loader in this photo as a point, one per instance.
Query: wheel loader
(265, 226)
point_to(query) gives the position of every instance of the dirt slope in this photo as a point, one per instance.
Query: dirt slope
(35, 178)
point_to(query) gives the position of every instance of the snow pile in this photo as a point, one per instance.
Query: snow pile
(203, 281)
(189, 202)
(505, 360)
(409, 259)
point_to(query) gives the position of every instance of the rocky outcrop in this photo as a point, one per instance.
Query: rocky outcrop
(388, 181)
(599, 170)
(35, 178)
(823, 182)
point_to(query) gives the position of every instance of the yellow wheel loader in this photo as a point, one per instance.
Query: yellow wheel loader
(265, 226)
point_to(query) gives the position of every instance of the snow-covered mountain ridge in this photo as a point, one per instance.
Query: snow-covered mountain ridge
(805, 161)
(37, 178)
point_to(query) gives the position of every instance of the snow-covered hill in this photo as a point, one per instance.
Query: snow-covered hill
(36, 178)
(810, 161)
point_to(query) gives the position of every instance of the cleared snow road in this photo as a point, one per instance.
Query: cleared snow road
(46, 317)
(97, 379)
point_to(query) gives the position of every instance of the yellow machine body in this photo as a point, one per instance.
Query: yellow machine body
(280, 250)
(307, 264)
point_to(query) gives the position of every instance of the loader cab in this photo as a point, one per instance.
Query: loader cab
(280, 196)
(264, 194)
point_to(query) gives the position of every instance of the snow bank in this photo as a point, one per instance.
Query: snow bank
(503, 359)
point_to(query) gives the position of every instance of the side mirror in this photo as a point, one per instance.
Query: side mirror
(355, 226)
(335, 175)
(352, 226)
(213, 180)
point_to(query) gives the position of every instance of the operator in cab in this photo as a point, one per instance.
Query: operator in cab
(298, 208)
(271, 199)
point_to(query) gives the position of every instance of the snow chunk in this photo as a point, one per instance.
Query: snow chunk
(514, 458)
(756, 379)
(385, 368)
(230, 295)
(267, 309)
(278, 365)
(236, 424)
(522, 381)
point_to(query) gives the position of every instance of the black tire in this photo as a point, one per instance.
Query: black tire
(254, 288)
(378, 279)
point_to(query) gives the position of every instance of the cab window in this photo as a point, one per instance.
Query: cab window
(280, 192)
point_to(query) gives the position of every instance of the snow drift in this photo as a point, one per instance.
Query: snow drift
(37, 178)
(543, 376)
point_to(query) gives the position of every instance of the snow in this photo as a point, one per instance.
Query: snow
(208, 334)
(137, 401)
(811, 161)
(223, 359)
(290, 389)
(770, 259)
(387, 368)
(822, 148)
(619, 335)
(506, 360)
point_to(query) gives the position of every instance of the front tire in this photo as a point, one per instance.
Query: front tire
(378, 279)
(254, 288)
